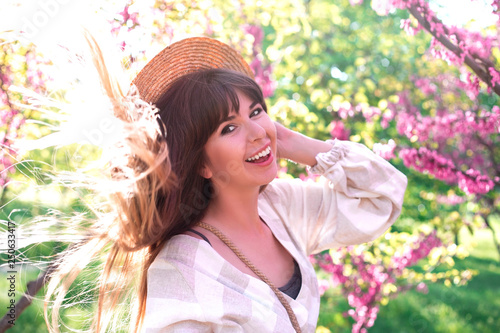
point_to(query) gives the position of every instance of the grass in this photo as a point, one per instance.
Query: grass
(472, 308)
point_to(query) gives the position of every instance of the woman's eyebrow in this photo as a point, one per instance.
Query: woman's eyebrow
(229, 118)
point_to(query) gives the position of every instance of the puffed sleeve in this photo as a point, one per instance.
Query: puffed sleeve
(358, 199)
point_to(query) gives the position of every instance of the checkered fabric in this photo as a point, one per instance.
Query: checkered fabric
(191, 288)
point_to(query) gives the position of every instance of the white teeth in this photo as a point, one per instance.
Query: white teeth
(261, 154)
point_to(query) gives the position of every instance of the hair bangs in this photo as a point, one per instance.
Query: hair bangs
(214, 95)
(217, 101)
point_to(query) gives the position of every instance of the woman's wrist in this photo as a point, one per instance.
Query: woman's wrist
(306, 148)
(298, 147)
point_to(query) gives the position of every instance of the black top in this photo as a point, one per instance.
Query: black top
(292, 287)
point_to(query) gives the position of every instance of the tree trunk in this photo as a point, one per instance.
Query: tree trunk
(495, 239)
(32, 289)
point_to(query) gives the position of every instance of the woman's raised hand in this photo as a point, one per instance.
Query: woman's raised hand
(283, 138)
(298, 147)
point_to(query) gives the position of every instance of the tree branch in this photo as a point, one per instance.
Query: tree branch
(492, 155)
(476, 67)
(32, 289)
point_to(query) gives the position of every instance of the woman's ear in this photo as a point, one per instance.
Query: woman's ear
(205, 172)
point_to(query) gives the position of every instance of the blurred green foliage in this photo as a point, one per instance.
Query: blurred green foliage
(324, 55)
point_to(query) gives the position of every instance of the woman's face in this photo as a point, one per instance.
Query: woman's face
(242, 151)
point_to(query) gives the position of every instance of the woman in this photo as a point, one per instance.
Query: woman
(222, 245)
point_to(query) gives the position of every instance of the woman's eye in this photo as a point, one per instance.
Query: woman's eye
(256, 112)
(228, 129)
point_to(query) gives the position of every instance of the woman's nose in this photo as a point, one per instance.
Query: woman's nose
(256, 131)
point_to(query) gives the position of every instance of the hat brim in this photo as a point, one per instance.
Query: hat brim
(184, 57)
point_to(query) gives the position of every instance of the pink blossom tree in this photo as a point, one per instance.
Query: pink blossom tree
(455, 139)
(20, 65)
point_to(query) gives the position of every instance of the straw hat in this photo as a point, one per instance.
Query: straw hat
(184, 57)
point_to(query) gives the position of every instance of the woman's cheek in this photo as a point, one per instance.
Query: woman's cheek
(234, 168)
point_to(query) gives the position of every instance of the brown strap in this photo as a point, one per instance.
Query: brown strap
(254, 269)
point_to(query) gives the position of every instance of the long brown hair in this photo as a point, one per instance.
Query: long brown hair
(159, 161)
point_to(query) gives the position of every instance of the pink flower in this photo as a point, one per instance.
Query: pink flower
(382, 7)
(256, 32)
(323, 286)
(263, 77)
(355, 2)
(386, 151)
(424, 159)
(422, 288)
(262, 72)
(450, 199)
(472, 181)
(406, 26)
(339, 131)
(495, 76)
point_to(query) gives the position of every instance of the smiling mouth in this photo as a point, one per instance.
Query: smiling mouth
(260, 157)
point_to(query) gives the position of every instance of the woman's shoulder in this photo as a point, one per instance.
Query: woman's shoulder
(174, 269)
(188, 255)
(180, 250)
(278, 184)
(191, 263)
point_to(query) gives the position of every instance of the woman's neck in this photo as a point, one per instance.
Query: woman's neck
(235, 211)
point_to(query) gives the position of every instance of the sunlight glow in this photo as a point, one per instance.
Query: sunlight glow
(460, 12)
